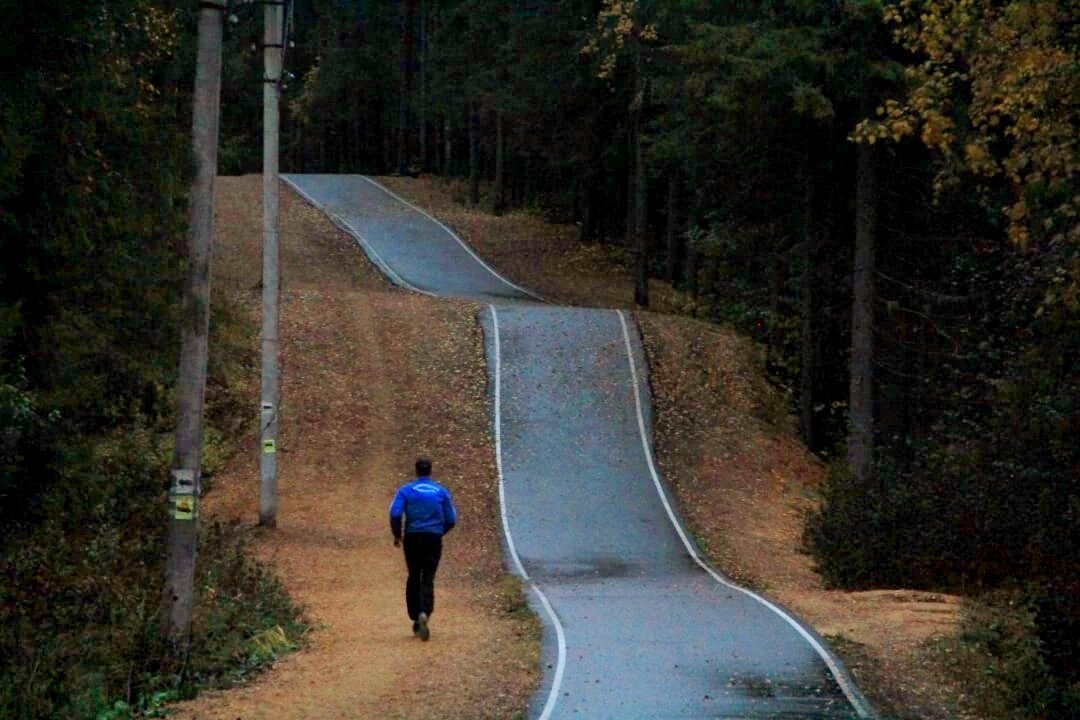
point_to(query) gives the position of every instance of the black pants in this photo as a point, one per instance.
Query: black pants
(422, 553)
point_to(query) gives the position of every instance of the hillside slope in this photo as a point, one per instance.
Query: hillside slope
(372, 376)
(725, 443)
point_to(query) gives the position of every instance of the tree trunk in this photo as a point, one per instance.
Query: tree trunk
(587, 231)
(178, 592)
(530, 180)
(408, 12)
(776, 275)
(710, 285)
(691, 270)
(861, 401)
(672, 239)
(435, 147)
(389, 141)
(808, 341)
(631, 175)
(639, 234)
(425, 161)
(631, 145)
(474, 155)
(448, 147)
(498, 198)
(807, 348)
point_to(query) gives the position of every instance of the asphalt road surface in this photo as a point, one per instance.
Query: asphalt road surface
(637, 624)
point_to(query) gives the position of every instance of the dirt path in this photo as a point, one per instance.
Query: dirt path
(371, 377)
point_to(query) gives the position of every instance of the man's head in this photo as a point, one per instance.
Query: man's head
(423, 467)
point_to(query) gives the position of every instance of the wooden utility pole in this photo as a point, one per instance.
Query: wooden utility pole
(195, 324)
(273, 46)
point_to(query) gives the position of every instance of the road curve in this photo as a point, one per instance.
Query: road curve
(637, 624)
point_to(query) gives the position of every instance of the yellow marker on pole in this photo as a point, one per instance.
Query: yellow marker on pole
(184, 507)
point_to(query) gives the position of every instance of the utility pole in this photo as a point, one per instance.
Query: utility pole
(273, 47)
(195, 323)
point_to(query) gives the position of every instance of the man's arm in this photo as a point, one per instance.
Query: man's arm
(397, 509)
(449, 513)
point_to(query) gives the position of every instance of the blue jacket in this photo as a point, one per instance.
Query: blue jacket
(427, 506)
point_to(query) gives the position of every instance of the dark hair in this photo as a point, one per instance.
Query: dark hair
(423, 467)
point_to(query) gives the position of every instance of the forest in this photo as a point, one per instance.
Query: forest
(883, 193)
(95, 123)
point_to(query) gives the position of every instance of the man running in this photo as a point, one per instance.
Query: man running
(429, 514)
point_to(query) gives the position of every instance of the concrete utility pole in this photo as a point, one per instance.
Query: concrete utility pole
(273, 47)
(194, 346)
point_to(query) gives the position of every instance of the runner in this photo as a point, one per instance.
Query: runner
(429, 514)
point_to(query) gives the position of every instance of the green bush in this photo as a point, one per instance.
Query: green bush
(243, 618)
(94, 161)
(80, 632)
(999, 657)
(880, 535)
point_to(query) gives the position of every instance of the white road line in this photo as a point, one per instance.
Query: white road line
(454, 235)
(498, 445)
(560, 665)
(360, 239)
(841, 678)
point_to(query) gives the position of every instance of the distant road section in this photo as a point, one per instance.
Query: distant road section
(412, 248)
(638, 625)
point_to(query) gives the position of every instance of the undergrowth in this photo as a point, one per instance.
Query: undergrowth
(1016, 653)
(81, 579)
(999, 657)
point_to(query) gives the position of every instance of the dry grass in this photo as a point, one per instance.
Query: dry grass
(371, 377)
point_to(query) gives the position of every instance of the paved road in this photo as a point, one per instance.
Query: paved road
(410, 247)
(637, 624)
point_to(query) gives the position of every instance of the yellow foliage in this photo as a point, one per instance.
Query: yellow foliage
(1011, 70)
(617, 24)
